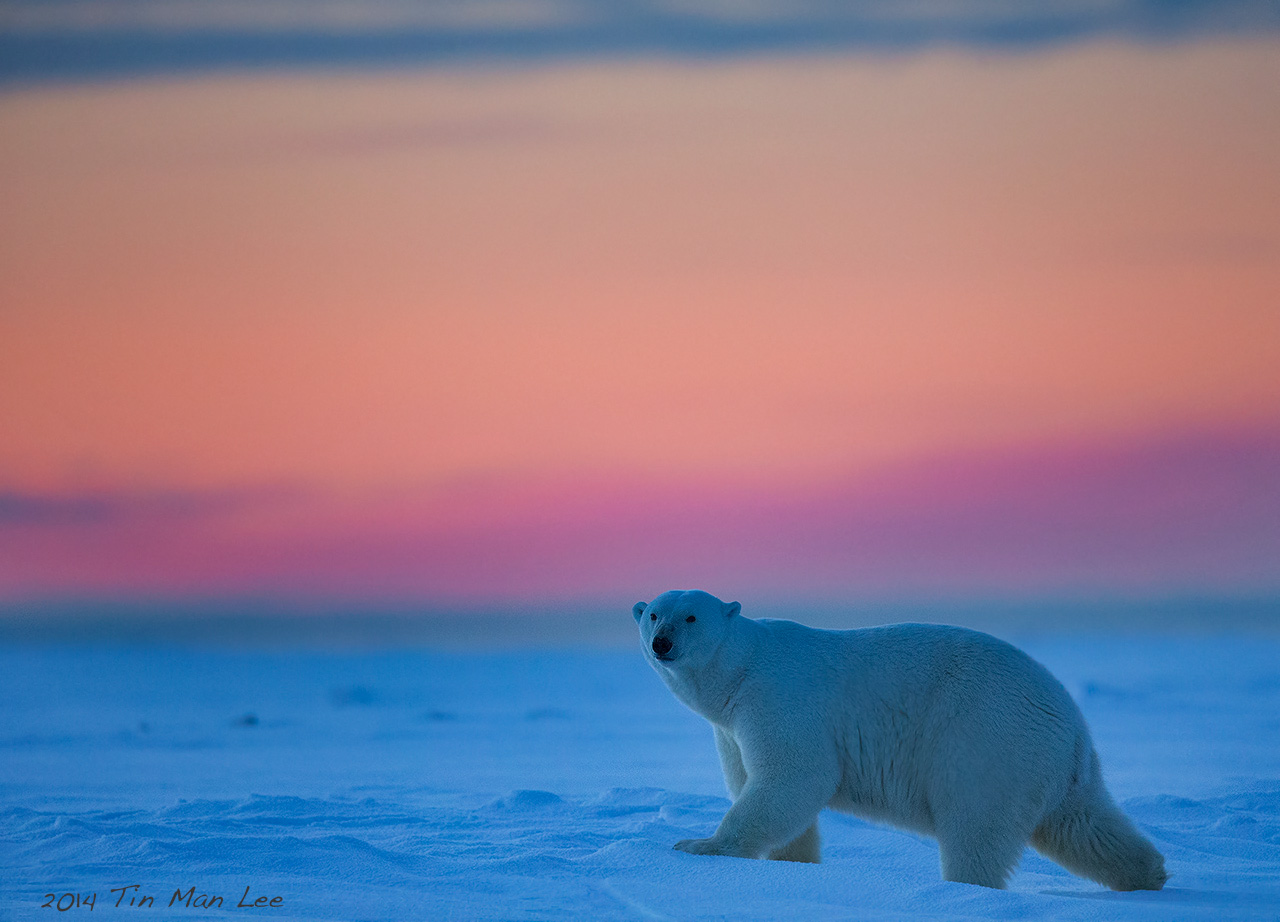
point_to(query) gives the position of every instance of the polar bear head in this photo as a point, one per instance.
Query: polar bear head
(683, 629)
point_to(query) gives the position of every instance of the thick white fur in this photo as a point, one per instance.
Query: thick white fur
(942, 730)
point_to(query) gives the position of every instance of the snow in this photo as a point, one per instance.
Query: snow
(546, 784)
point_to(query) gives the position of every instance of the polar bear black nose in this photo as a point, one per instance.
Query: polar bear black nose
(661, 646)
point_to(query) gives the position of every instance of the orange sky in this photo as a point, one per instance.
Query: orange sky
(766, 274)
(770, 268)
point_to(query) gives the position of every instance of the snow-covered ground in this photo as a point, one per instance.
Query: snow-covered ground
(552, 784)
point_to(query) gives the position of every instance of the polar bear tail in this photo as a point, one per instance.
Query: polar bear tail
(1090, 836)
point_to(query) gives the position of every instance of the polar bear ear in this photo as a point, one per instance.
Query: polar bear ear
(638, 609)
(732, 608)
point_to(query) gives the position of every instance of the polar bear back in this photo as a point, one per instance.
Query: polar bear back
(927, 715)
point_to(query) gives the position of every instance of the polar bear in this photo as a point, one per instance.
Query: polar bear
(941, 730)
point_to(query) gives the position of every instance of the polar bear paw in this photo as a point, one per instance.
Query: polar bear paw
(699, 846)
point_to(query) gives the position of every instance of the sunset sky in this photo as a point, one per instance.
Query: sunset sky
(469, 304)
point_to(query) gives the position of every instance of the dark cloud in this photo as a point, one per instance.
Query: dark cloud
(107, 39)
(115, 508)
(1194, 512)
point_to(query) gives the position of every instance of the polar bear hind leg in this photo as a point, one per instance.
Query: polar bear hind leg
(1089, 836)
(974, 853)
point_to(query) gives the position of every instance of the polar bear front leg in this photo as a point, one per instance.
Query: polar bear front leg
(735, 775)
(770, 813)
(805, 847)
(773, 811)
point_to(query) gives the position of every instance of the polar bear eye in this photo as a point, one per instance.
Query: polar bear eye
(691, 619)
(653, 617)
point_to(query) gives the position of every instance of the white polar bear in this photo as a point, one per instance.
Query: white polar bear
(941, 730)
